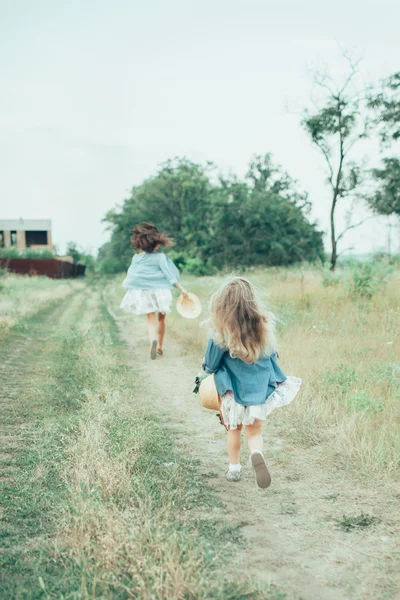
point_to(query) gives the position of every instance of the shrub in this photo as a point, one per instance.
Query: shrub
(368, 278)
(179, 258)
(362, 400)
(195, 266)
(26, 253)
(330, 279)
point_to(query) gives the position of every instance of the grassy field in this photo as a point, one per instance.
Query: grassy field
(95, 496)
(99, 497)
(21, 297)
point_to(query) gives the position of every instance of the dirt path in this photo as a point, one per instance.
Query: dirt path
(292, 537)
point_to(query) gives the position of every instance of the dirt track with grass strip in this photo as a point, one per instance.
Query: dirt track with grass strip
(112, 479)
(318, 532)
(96, 498)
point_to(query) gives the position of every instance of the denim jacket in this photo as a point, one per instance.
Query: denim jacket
(150, 271)
(250, 383)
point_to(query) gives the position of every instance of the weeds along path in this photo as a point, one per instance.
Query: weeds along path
(27, 356)
(295, 532)
(90, 505)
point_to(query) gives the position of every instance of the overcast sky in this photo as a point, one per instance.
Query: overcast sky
(96, 94)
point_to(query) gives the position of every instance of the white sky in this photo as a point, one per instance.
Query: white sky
(95, 94)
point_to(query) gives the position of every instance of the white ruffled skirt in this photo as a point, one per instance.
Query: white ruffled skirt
(234, 414)
(143, 302)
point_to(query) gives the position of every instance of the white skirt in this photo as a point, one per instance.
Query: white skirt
(142, 302)
(234, 414)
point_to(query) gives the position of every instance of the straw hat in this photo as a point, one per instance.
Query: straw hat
(208, 393)
(189, 306)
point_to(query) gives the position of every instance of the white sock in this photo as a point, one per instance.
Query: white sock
(237, 467)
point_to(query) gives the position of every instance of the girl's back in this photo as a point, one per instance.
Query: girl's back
(251, 383)
(151, 270)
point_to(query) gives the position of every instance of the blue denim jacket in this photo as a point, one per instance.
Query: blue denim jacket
(150, 271)
(250, 383)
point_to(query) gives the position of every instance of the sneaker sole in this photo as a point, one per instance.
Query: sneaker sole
(153, 351)
(234, 480)
(263, 477)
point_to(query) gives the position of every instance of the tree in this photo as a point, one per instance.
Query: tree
(73, 251)
(217, 224)
(263, 221)
(335, 127)
(386, 199)
(80, 256)
(176, 199)
(385, 105)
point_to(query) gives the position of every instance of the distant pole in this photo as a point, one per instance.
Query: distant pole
(389, 239)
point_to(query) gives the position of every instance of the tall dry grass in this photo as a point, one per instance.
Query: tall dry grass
(127, 528)
(346, 349)
(22, 296)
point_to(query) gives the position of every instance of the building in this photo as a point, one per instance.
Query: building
(25, 233)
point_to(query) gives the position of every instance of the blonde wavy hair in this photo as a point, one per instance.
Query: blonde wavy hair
(238, 323)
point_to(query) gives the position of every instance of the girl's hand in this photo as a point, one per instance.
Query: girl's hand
(182, 290)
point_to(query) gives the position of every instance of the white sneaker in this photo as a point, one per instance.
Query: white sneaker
(233, 474)
(263, 477)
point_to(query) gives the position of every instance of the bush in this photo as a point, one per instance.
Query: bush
(362, 400)
(195, 266)
(179, 259)
(26, 253)
(368, 278)
(330, 279)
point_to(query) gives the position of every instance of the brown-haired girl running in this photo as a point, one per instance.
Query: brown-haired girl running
(148, 282)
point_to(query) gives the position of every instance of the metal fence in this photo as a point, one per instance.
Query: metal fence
(56, 269)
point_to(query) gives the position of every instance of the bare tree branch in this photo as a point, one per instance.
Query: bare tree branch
(321, 80)
(325, 152)
(353, 226)
(345, 250)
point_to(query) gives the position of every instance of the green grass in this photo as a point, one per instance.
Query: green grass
(22, 296)
(356, 522)
(346, 348)
(100, 503)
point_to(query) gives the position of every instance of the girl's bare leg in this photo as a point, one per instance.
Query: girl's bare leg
(151, 327)
(234, 441)
(254, 436)
(161, 329)
(255, 442)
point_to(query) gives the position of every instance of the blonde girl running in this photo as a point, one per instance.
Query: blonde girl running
(242, 356)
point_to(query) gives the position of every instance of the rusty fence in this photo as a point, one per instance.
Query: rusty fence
(56, 269)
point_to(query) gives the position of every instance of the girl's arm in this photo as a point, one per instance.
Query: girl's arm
(173, 278)
(213, 357)
(181, 289)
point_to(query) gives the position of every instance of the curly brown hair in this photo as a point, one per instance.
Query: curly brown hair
(146, 238)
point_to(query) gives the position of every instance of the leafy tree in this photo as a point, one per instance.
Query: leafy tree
(386, 199)
(221, 223)
(264, 220)
(176, 199)
(79, 256)
(72, 250)
(335, 127)
(386, 107)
